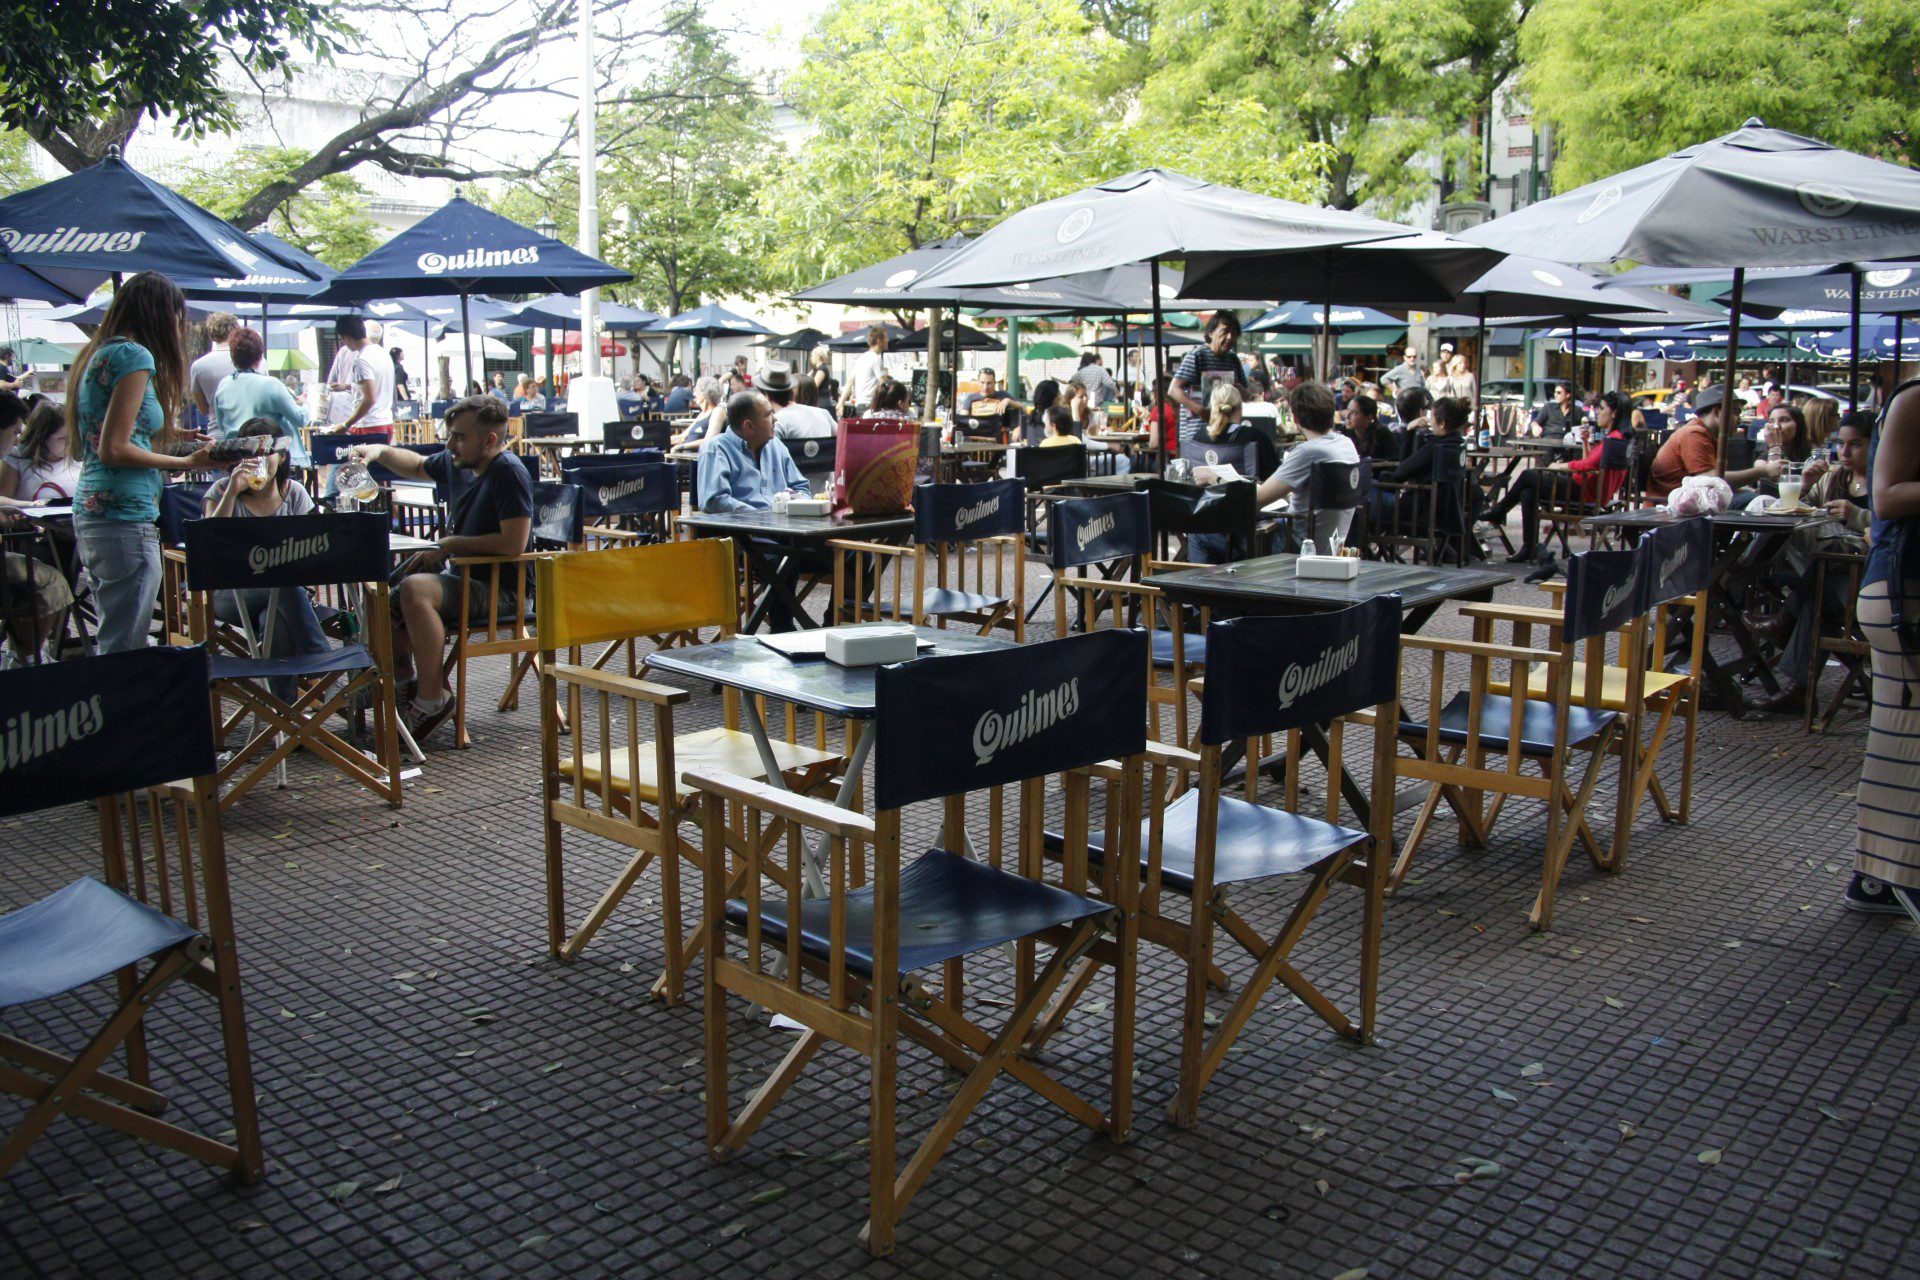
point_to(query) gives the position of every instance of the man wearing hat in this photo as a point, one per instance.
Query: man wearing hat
(1691, 449)
(792, 421)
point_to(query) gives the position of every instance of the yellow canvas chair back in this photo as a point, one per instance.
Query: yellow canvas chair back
(618, 777)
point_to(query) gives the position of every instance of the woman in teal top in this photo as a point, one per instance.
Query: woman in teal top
(125, 393)
(247, 393)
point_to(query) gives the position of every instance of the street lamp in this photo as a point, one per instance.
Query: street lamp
(551, 230)
(548, 228)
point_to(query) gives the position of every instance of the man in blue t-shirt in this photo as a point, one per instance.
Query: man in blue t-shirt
(680, 399)
(1202, 369)
(489, 501)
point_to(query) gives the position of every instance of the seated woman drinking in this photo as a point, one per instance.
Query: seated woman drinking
(1582, 480)
(260, 486)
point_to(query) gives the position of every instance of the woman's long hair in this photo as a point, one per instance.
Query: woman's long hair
(148, 309)
(45, 419)
(1621, 406)
(1224, 409)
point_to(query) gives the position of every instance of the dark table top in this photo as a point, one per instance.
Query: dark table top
(1733, 521)
(790, 528)
(746, 664)
(1270, 581)
(1100, 486)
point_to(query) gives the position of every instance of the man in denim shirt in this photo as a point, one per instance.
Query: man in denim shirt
(744, 466)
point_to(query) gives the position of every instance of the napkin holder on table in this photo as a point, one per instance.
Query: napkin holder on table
(870, 644)
(1337, 568)
(808, 506)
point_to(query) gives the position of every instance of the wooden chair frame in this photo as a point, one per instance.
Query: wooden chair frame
(1849, 645)
(283, 727)
(1463, 775)
(1129, 599)
(590, 699)
(873, 1016)
(950, 563)
(57, 1084)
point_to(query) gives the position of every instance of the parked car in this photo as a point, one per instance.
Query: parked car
(1513, 390)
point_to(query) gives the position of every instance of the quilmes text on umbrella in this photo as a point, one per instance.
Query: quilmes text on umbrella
(434, 264)
(70, 240)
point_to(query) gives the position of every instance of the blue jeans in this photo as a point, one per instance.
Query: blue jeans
(296, 627)
(123, 560)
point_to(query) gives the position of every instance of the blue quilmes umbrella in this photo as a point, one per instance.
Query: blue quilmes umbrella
(1877, 341)
(48, 284)
(109, 218)
(710, 321)
(1311, 317)
(461, 249)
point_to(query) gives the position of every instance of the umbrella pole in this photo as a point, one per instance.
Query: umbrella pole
(1126, 375)
(933, 363)
(1853, 358)
(1735, 300)
(953, 401)
(1480, 358)
(466, 343)
(1159, 346)
(1899, 339)
(1326, 316)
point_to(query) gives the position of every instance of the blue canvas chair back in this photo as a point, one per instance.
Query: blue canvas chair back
(575, 463)
(1269, 675)
(1616, 452)
(650, 433)
(1042, 468)
(235, 553)
(404, 409)
(1603, 592)
(1222, 508)
(1083, 531)
(1740, 452)
(964, 722)
(1336, 486)
(74, 731)
(1676, 560)
(1656, 419)
(559, 513)
(964, 512)
(180, 505)
(1244, 458)
(627, 489)
(440, 408)
(328, 447)
(550, 424)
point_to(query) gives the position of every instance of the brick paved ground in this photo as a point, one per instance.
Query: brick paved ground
(441, 1100)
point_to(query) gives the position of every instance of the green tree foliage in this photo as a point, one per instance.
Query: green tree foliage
(932, 117)
(1369, 88)
(328, 219)
(16, 171)
(78, 67)
(1623, 84)
(685, 174)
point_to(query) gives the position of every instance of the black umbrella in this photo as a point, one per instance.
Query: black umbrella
(857, 339)
(798, 340)
(1756, 197)
(1151, 215)
(953, 336)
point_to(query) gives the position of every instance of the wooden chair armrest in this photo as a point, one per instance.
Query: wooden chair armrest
(524, 557)
(875, 548)
(660, 695)
(1118, 586)
(176, 554)
(1173, 566)
(1556, 589)
(808, 812)
(1479, 649)
(612, 534)
(1172, 756)
(1512, 613)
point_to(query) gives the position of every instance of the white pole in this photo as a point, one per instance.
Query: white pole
(589, 197)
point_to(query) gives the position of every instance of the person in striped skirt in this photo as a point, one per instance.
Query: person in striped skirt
(1887, 864)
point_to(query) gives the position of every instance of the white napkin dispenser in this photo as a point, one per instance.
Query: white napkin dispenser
(1338, 568)
(871, 644)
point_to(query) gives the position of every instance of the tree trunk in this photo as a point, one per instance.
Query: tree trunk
(86, 145)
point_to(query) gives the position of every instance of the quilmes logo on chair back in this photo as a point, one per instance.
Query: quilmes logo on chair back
(559, 517)
(628, 488)
(961, 722)
(587, 597)
(1268, 675)
(72, 731)
(1096, 530)
(956, 512)
(329, 446)
(1675, 560)
(233, 553)
(1603, 591)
